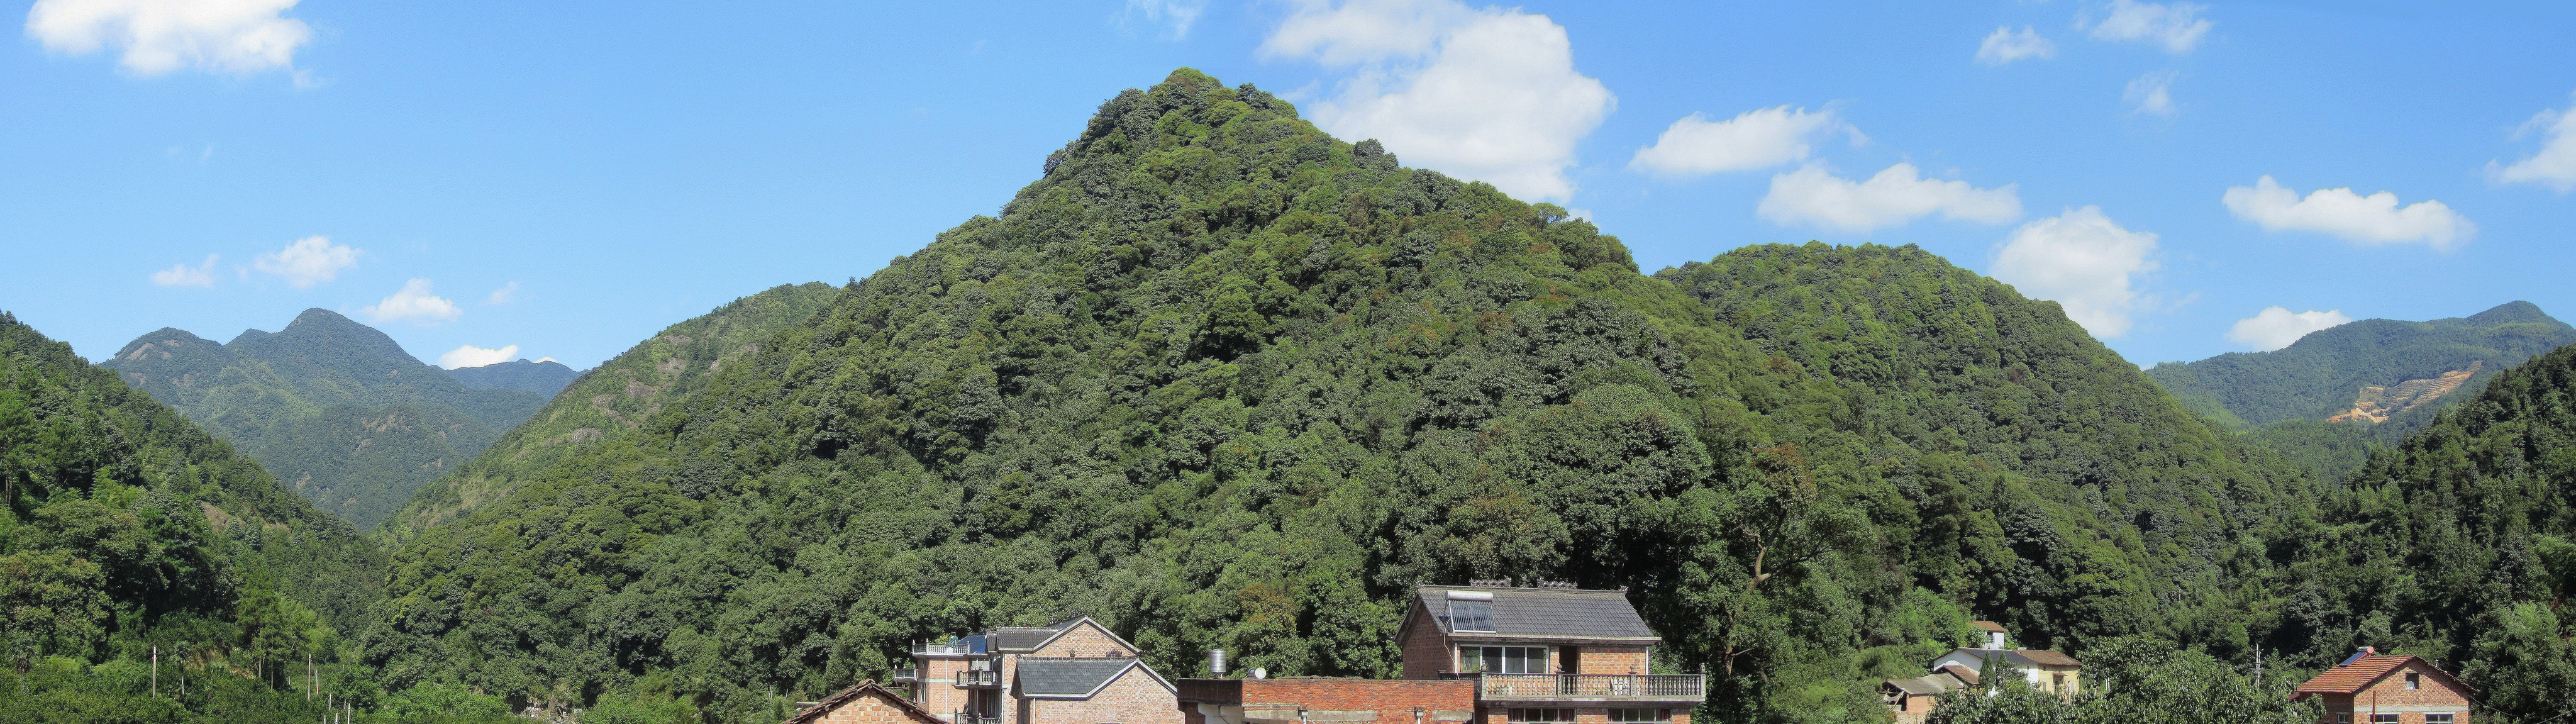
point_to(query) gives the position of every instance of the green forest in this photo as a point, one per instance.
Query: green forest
(335, 409)
(1222, 381)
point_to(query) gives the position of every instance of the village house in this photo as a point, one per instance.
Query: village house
(1327, 700)
(866, 703)
(1911, 699)
(1544, 654)
(2369, 688)
(1076, 672)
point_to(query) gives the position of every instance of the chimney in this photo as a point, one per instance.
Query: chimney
(1216, 663)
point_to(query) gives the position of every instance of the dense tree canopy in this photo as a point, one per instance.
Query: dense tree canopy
(1221, 380)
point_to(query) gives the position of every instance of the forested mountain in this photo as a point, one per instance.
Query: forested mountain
(335, 409)
(2457, 544)
(1223, 381)
(614, 399)
(2326, 373)
(545, 378)
(127, 527)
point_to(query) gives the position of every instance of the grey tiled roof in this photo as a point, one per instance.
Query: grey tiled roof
(1021, 638)
(1068, 677)
(1556, 613)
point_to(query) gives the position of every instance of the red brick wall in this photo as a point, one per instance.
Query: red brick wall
(869, 709)
(1134, 698)
(1086, 641)
(1612, 660)
(1426, 652)
(2390, 696)
(1392, 700)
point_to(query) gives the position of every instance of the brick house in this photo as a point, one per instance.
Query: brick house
(1327, 700)
(2372, 689)
(1076, 672)
(1911, 699)
(866, 703)
(1545, 654)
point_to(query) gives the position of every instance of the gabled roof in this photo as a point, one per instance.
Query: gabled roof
(1015, 639)
(2359, 672)
(865, 688)
(1541, 613)
(1975, 659)
(1053, 678)
(1987, 626)
(1964, 674)
(1059, 630)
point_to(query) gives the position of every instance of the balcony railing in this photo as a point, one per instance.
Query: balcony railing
(905, 675)
(979, 679)
(1590, 687)
(949, 649)
(965, 717)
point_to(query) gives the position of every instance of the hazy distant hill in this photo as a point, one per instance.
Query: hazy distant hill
(333, 408)
(2373, 370)
(544, 378)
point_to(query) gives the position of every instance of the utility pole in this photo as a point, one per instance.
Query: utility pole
(156, 671)
(2258, 667)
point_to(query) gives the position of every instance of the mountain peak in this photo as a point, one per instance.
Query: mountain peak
(2511, 312)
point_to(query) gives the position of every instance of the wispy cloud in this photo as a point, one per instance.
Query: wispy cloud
(415, 304)
(310, 260)
(2151, 93)
(506, 294)
(2005, 46)
(2555, 165)
(182, 275)
(1175, 14)
(2177, 26)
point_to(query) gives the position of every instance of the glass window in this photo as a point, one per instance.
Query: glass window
(1658, 716)
(1502, 659)
(2414, 680)
(1549, 715)
(2444, 718)
(1471, 615)
(2343, 717)
(2383, 719)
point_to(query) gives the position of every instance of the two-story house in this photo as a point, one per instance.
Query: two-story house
(1546, 654)
(1076, 672)
(2045, 670)
(2368, 688)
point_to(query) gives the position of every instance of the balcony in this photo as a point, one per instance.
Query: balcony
(947, 649)
(968, 717)
(905, 675)
(973, 679)
(1607, 688)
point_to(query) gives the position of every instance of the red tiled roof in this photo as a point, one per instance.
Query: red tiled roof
(1987, 626)
(1966, 675)
(2358, 675)
(891, 697)
(2046, 657)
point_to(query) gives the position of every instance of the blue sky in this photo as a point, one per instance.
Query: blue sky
(569, 178)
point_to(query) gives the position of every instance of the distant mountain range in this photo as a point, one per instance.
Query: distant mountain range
(2373, 370)
(335, 409)
(544, 377)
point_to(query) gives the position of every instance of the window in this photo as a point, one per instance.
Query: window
(1658, 716)
(1471, 615)
(2383, 719)
(2057, 682)
(1502, 659)
(2343, 717)
(2443, 718)
(2414, 680)
(1555, 715)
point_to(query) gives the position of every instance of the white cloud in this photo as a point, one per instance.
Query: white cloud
(2275, 327)
(2374, 219)
(182, 275)
(1179, 14)
(545, 359)
(414, 304)
(472, 356)
(2005, 46)
(1488, 95)
(2082, 261)
(1894, 197)
(310, 260)
(2555, 164)
(159, 36)
(506, 294)
(2178, 26)
(1754, 139)
(2151, 93)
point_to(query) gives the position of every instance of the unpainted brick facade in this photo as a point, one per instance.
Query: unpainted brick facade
(2434, 695)
(865, 704)
(1329, 700)
(1132, 698)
